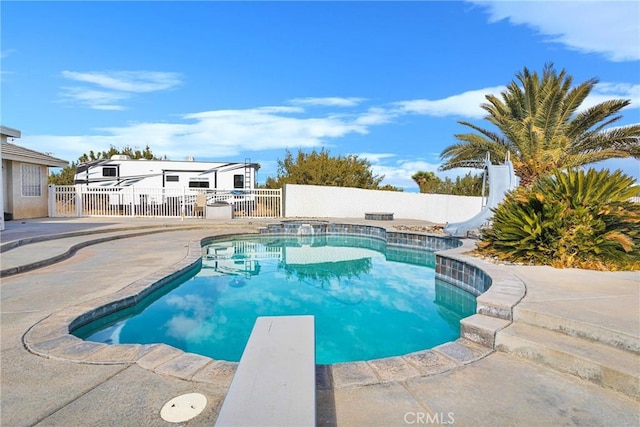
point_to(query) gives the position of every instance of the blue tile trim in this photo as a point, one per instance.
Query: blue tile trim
(465, 276)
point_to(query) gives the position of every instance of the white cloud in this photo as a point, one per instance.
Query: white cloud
(328, 101)
(465, 104)
(66, 147)
(210, 134)
(3, 55)
(115, 86)
(128, 81)
(268, 167)
(611, 28)
(96, 99)
(6, 53)
(280, 109)
(182, 327)
(376, 157)
(376, 116)
(606, 91)
(262, 129)
(195, 305)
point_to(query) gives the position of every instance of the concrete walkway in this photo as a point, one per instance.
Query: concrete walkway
(501, 388)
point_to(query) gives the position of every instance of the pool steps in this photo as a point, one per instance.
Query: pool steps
(591, 352)
(593, 361)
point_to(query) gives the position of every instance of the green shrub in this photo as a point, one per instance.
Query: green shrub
(569, 219)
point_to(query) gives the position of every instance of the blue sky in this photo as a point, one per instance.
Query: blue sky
(226, 81)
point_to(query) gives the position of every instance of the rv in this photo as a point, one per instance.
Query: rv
(155, 182)
(121, 171)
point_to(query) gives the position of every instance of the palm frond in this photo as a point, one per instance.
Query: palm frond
(591, 117)
(624, 139)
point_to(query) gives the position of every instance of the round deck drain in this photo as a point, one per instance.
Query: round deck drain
(183, 408)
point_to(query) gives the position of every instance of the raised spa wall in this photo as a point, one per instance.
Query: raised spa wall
(459, 273)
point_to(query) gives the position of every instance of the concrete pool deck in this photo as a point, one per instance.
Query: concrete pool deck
(499, 388)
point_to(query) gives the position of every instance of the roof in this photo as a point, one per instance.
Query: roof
(16, 152)
(14, 133)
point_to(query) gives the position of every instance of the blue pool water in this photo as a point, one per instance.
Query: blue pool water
(369, 301)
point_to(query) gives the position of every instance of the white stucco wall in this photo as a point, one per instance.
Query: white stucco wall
(342, 202)
(23, 207)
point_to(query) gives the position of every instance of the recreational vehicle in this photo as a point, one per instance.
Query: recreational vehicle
(145, 183)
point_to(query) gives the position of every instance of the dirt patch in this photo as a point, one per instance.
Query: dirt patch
(431, 229)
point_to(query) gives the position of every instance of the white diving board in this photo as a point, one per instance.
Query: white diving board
(275, 383)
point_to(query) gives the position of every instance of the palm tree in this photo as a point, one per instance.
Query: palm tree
(540, 124)
(427, 181)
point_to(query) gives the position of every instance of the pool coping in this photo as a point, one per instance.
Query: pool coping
(51, 337)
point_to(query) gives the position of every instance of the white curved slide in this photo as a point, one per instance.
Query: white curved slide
(502, 179)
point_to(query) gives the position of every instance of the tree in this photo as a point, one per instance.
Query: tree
(67, 174)
(469, 185)
(540, 123)
(134, 154)
(428, 182)
(319, 168)
(389, 187)
(569, 218)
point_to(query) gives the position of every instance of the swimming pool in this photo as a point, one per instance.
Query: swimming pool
(370, 300)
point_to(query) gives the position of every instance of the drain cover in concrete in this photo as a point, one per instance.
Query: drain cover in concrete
(183, 408)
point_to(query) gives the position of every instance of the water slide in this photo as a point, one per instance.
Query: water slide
(502, 179)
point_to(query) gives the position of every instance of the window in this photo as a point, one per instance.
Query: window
(238, 181)
(109, 171)
(173, 178)
(31, 181)
(198, 184)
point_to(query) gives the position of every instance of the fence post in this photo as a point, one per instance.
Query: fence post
(79, 200)
(133, 201)
(51, 211)
(182, 205)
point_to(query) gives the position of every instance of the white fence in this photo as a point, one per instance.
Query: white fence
(79, 200)
(295, 201)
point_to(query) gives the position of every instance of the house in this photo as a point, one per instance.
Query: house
(24, 179)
